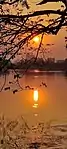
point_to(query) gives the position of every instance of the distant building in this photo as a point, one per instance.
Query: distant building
(60, 61)
(50, 60)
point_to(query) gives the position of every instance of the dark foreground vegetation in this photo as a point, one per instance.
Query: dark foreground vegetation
(16, 134)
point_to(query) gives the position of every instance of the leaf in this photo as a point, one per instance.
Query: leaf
(7, 88)
(15, 91)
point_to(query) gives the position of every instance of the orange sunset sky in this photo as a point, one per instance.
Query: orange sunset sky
(58, 50)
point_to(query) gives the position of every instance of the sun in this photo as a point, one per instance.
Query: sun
(36, 39)
(35, 95)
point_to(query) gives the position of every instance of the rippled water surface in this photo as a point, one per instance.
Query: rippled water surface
(51, 103)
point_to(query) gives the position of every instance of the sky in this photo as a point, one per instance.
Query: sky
(58, 50)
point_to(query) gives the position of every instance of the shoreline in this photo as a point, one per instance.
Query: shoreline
(35, 71)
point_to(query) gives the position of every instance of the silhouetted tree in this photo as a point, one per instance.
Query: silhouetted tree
(18, 29)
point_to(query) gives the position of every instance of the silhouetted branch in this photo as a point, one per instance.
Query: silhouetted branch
(17, 31)
(2, 87)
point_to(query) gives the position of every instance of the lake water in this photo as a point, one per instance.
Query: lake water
(51, 103)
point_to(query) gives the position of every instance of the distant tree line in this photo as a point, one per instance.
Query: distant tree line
(49, 64)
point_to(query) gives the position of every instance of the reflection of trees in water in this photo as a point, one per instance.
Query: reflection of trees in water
(16, 134)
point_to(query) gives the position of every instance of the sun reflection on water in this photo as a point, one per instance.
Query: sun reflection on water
(36, 98)
(35, 105)
(35, 95)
